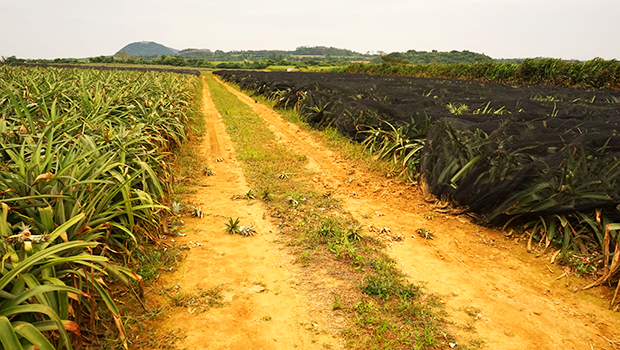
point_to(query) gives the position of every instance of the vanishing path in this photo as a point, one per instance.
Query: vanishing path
(517, 300)
(268, 302)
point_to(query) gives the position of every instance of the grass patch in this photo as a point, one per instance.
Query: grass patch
(145, 337)
(151, 260)
(200, 300)
(335, 141)
(188, 167)
(385, 310)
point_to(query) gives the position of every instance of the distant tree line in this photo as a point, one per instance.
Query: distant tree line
(596, 73)
(13, 60)
(180, 61)
(301, 57)
(425, 57)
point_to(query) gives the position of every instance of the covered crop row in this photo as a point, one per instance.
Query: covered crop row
(85, 175)
(545, 157)
(596, 73)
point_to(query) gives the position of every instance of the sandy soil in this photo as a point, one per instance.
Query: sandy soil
(493, 289)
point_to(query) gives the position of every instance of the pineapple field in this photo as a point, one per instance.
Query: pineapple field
(85, 180)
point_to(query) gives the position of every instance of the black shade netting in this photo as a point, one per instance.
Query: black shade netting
(498, 149)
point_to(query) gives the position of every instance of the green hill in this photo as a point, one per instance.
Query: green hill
(147, 49)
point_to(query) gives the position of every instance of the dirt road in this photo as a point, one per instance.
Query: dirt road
(266, 296)
(492, 288)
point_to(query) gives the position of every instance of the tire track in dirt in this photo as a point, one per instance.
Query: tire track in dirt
(268, 301)
(512, 299)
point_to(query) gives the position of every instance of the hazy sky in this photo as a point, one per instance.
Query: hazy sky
(570, 29)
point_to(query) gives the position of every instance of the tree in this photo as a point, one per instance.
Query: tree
(12, 59)
(394, 60)
(121, 55)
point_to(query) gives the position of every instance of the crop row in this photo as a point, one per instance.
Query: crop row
(113, 68)
(85, 176)
(596, 73)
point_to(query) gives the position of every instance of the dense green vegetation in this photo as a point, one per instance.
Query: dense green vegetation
(317, 52)
(86, 180)
(425, 57)
(596, 73)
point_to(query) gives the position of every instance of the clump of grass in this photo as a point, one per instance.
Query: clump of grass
(200, 300)
(337, 304)
(147, 337)
(150, 260)
(425, 233)
(265, 194)
(354, 233)
(329, 228)
(383, 287)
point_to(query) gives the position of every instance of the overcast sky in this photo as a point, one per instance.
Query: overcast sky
(570, 29)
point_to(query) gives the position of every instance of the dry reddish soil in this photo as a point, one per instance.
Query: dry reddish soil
(492, 288)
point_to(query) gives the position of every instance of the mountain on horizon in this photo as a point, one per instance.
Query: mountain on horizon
(148, 49)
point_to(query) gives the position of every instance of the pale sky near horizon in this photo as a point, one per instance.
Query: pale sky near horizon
(569, 29)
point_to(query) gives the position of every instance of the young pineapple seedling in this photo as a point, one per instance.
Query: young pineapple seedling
(232, 226)
(292, 201)
(425, 233)
(354, 233)
(197, 212)
(460, 109)
(429, 216)
(247, 230)
(176, 208)
(265, 194)
(249, 194)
